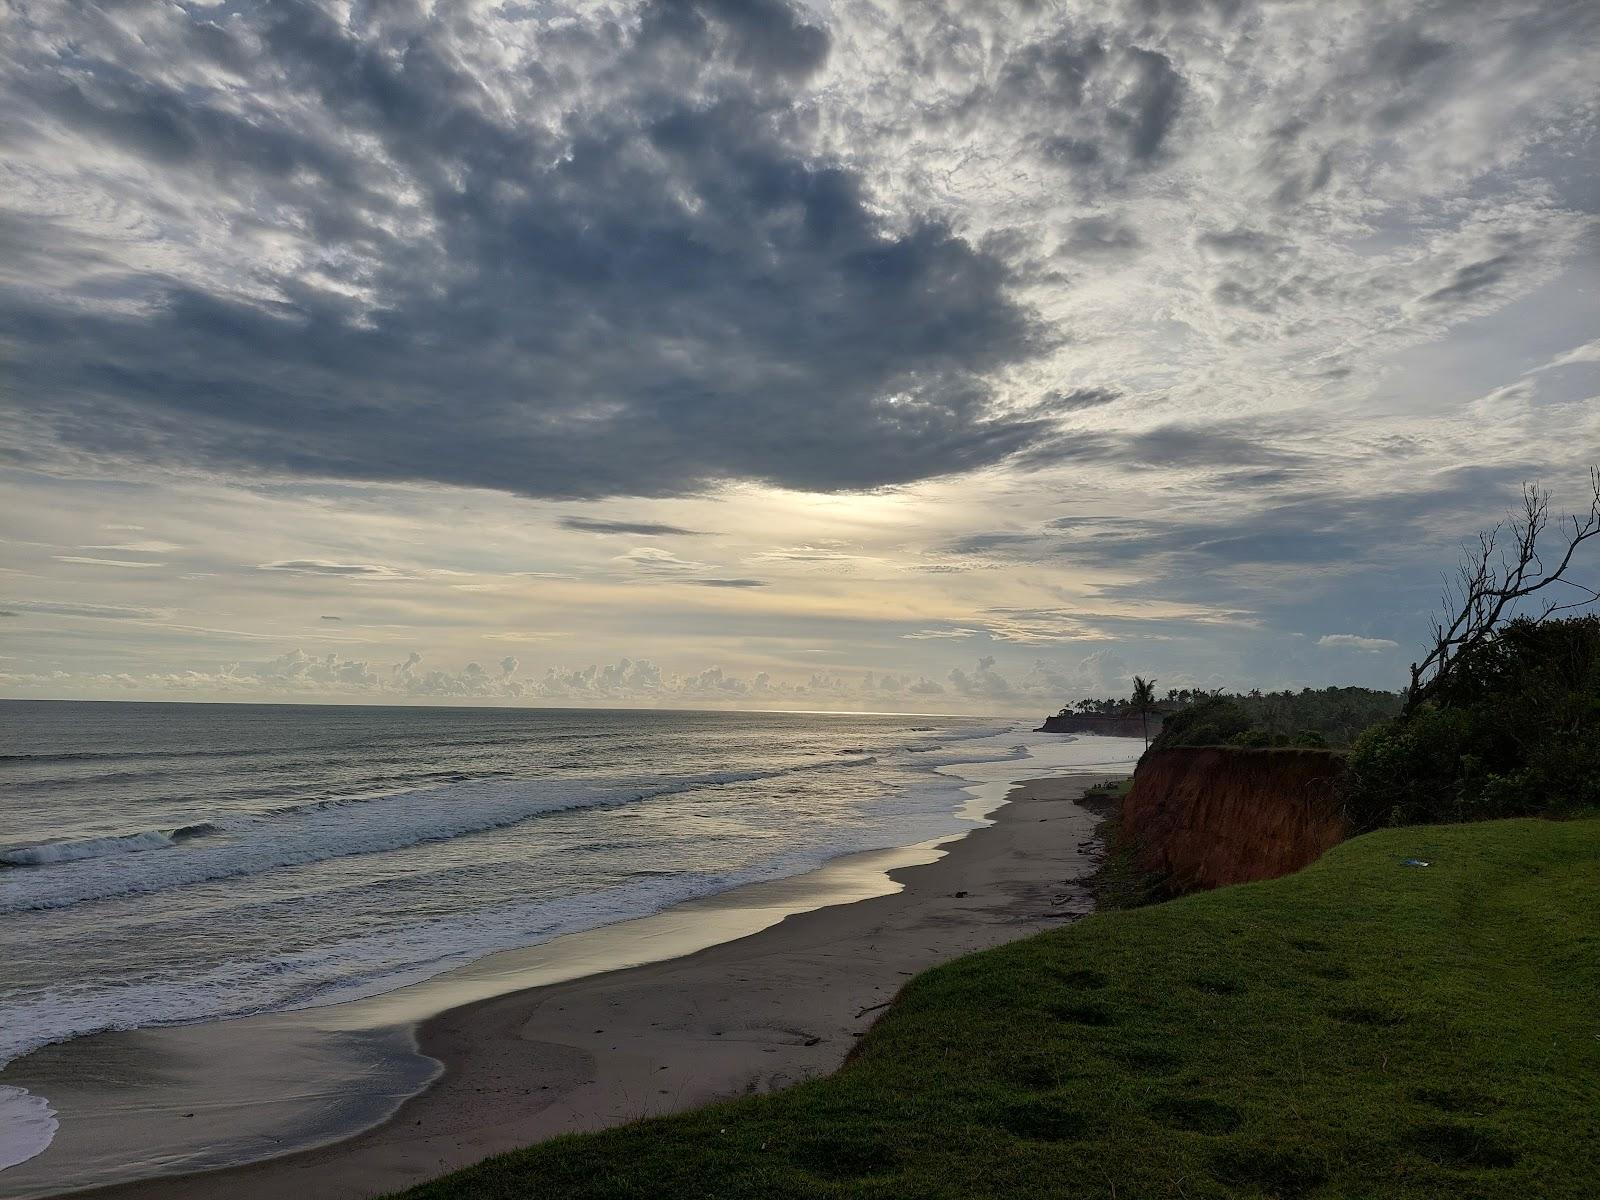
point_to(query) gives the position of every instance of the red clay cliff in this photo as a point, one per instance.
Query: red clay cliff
(1205, 817)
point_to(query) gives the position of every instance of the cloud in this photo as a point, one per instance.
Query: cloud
(104, 562)
(1036, 625)
(1468, 280)
(820, 553)
(984, 543)
(730, 583)
(317, 566)
(100, 612)
(1099, 238)
(543, 252)
(983, 682)
(1187, 445)
(1120, 102)
(1589, 352)
(1080, 398)
(148, 547)
(327, 618)
(638, 528)
(1103, 673)
(652, 560)
(1352, 641)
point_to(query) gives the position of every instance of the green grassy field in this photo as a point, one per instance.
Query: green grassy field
(1361, 1029)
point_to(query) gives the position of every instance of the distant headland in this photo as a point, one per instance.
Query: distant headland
(1115, 724)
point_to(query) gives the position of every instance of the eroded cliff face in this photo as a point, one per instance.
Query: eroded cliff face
(1210, 816)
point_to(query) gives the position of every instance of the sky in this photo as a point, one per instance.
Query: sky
(849, 354)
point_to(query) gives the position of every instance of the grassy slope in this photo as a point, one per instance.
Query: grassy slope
(1361, 1029)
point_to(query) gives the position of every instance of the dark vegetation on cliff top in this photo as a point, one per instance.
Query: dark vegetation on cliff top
(1332, 717)
(1361, 1028)
(1514, 730)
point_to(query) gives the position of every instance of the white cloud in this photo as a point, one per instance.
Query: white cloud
(319, 566)
(1352, 641)
(652, 560)
(1589, 352)
(981, 682)
(149, 547)
(103, 612)
(104, 562)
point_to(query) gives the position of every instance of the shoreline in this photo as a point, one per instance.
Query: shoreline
(683, 1031)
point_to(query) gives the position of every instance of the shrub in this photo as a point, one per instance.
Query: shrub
(1311, 717)
(1213, 722)
(1514, 732)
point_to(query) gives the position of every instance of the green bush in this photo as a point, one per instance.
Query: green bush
(1311, 717)
(1213, 722)
(1514, 731)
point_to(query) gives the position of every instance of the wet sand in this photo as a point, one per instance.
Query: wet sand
(750, 1015)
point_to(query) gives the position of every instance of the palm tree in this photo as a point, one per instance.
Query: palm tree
(1144, 699)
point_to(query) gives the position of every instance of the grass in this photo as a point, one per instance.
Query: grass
(1360, 1029)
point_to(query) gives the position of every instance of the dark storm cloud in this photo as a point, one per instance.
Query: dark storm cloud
(644, 287)
(640, 528)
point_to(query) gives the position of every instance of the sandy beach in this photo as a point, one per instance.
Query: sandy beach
(746, 1016)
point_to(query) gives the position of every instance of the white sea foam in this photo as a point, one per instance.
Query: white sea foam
(94, 869)
(27, 1125)
(60, 852)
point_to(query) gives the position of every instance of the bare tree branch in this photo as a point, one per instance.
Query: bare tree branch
(1504, 569)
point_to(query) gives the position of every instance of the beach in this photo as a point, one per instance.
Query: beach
(749, 1015)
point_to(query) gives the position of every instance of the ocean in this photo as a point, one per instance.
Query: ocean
(171, 863)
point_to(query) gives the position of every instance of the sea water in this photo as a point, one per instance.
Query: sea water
(166, 863)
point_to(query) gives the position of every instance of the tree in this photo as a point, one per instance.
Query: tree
(1144, 699)
(1496, 575)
